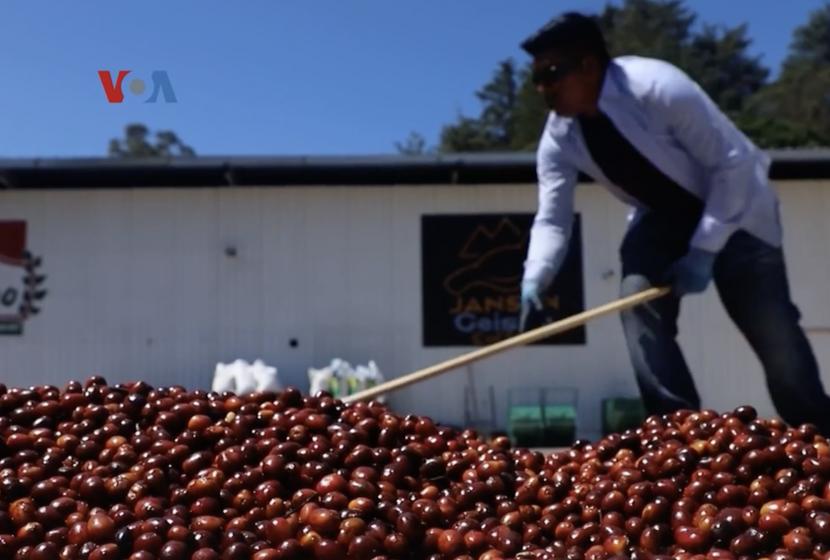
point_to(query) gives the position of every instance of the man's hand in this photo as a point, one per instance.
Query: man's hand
(531, 299)
(692, 273)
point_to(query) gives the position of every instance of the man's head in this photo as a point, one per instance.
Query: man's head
(569, 61)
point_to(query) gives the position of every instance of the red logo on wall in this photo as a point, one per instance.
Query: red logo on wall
(21, 283)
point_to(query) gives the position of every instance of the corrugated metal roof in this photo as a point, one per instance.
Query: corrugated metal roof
(219, 171)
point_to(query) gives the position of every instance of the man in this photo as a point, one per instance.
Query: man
(703, 209)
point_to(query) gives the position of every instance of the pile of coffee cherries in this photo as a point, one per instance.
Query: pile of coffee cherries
(129, 471)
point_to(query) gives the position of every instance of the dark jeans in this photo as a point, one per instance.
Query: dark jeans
(751, 279)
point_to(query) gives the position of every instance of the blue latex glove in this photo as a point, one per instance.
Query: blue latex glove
(531, 299)
(693, 272)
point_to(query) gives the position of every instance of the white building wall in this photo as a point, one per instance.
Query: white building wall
(140, 287)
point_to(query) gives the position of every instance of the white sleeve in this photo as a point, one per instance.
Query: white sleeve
(733, 166)
(551, 229)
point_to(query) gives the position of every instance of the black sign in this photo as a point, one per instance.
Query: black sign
(472, 268)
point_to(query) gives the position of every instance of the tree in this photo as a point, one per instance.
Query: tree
(811, 41)
(499, 99)
(466, 135)
(135, 144)
(654, 28)
(414, 145)
(494, 128)
(513, 113)
(717, 59)
(794, 110)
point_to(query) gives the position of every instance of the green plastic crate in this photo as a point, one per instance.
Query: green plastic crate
(553, 425)
(621, 414)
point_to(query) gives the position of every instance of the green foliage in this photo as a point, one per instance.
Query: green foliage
(136, 145)
(653, 28)
(794, 110)
(466, 135)
(811, 41)
(414, 145)
(494, 129)
(717, 59)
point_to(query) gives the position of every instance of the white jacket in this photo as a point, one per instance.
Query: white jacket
(679, 129)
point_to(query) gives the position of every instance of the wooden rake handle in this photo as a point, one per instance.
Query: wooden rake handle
(519, 340)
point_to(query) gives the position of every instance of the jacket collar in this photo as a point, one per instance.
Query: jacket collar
(619, 101)
(614, 84)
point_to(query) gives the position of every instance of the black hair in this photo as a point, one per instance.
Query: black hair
(572, 33)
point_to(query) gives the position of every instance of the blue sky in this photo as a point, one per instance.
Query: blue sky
(282, 77)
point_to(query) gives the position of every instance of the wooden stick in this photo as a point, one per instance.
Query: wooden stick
(519, 340)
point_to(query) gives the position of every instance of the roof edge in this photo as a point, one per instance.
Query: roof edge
(228, 171)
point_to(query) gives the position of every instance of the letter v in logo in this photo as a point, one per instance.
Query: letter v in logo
(113, 92)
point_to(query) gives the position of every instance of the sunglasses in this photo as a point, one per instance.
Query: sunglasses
(551, 74)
